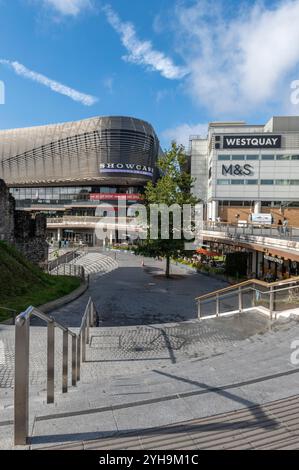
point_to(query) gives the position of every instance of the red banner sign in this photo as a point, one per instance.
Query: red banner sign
(114, 197)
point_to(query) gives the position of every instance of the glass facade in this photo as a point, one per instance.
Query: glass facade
(68, 194)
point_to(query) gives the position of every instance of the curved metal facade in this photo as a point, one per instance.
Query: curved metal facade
(103, 150)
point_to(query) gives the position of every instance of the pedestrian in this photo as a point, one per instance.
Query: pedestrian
(285, 225)
(279, 226)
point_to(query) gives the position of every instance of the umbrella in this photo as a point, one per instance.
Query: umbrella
(203, 251)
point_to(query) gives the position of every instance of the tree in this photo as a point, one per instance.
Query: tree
(173, 187)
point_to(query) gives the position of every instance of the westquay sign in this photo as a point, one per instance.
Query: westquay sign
(252, 142)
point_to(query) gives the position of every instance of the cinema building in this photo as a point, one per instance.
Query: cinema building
(67, 170)
(243, 169)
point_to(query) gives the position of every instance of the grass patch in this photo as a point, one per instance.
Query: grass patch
(23, 284)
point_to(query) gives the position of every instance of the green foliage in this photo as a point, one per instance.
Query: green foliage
(23, 283)
(173, 187)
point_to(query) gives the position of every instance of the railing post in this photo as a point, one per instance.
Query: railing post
(198, 309)
(50, 361)
(21, 392)
(78, 357)
(240, 299)
(271, 302)
(217, 305)
(74, 361)
(65, 352)
(87, 324)
(83, 343)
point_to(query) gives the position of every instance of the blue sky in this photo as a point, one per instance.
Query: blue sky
(175, 63)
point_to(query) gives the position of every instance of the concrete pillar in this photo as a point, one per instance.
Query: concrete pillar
(257, 207)
(59, 234)
(254, 261)
(212, 210)
(260, 258)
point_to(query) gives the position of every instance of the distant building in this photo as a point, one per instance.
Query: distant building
(242, 169)
(66, 170)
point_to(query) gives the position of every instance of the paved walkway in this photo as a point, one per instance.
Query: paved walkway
(141, 376)
(136, 295)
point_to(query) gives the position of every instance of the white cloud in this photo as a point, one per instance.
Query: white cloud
(241, 61)
(57, 87)
(182, 133)
(142, 52)
(108, 83)
(68, 7)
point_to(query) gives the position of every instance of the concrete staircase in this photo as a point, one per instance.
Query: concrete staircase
(120, 393)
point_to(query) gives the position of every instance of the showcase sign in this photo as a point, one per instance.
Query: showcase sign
(251, 142)
(133, 168)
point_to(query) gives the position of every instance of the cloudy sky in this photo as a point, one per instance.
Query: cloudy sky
(175, 63)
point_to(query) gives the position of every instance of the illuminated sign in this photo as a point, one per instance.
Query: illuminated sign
(254, 141)
(132, 168)
(114, 197)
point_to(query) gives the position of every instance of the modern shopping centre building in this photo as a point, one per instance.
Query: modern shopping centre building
(242, 169)
(67, 170)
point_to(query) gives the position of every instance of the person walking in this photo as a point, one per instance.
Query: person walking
(279, 226)
(285, 226)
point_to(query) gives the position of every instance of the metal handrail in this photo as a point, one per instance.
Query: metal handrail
(247, 282)
(251, 228)
(239, 291)
(22, 361)
(250, 288)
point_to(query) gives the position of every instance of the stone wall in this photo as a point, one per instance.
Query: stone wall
(27, 233)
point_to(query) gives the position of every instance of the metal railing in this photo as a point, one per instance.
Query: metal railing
(68, 257)
(271, 298)
(249, 228)
(22, 361)
(74, 270)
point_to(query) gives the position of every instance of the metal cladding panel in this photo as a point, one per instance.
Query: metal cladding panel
(74, 152)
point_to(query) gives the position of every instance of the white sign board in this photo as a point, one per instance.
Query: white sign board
(261, 219)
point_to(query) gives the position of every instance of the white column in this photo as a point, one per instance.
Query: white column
(59, 232)
(214, 210)
(257, 207)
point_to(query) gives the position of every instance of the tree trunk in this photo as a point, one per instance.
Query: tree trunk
(167, 272)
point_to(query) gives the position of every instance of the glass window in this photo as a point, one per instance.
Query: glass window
(238, 157)
(267, 157)
(283, 157)
(294, 182)
(252, 157)
(223, 157)
(295, 157)
(223, 181)
(251, 181)
(267, 181)
(282, 182)
(237, 181)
